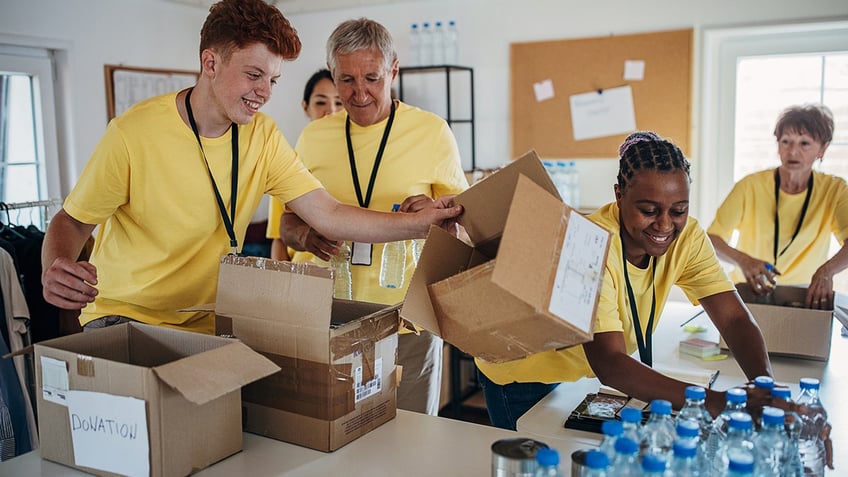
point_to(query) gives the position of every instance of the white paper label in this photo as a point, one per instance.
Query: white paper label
(605, 113)
(634, 70)
(109, 432)
(54, 380)
(372, 387)
(579, 272)
(543, 90)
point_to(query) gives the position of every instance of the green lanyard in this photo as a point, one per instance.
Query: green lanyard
(228, 220)
(644, 343)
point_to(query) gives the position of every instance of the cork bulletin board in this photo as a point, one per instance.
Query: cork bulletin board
(661, 99)
(127, 85)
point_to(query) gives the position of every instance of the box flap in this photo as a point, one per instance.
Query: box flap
(299, 294)
(487, 202)
(443, 256)
(203, 377)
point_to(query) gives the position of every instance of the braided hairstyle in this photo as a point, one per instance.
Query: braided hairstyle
(645, 150)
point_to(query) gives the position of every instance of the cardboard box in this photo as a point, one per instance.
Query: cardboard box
(338, 378)
(788, 328)
(529, 283)
(187, 388)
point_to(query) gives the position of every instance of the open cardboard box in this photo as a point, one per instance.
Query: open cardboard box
(788, 328)
(188, 399)
(529, 283)
(338, 379)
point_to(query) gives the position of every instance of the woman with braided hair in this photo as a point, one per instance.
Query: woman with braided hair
(655, 245)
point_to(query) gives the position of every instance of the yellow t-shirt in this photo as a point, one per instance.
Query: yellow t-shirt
(689, 263)
(161, 234)
(421, 157)
(749, 208)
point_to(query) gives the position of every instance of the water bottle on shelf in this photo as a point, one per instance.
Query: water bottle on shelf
(597, 464)
(574, 184)
(547, 463)
(736, 399)
(414, 45)
(426, 45)
(737, 443)
(770, 443)
(340, 263)
(631, 423)
(658, 432)
(694, 409)
(626, 460)
(811, 446)
(612, 430)
(451, 44)
(439, 44)
(393, 263)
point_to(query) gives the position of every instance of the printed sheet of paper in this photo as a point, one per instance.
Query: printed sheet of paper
(607, 113)
(579, 272)
(54, 380)
(109, 432)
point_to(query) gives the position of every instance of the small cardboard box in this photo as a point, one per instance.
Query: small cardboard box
(188, 385)
(788, 328)
(338, 378)
(529, 283)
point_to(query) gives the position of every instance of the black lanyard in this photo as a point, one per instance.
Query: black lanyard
(356, 186)
(228, 220)
(645, 354)
(777, 215)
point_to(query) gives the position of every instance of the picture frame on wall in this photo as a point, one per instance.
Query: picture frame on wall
(127, 85)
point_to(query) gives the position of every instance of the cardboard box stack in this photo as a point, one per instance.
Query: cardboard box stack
(134, 399)
(531, 279)
(338, 379)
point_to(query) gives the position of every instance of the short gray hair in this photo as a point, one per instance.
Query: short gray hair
(360, 34)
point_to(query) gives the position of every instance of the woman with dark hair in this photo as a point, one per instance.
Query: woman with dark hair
(656, 245)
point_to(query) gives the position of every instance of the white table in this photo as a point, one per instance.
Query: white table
(545, 420)
(411, 445)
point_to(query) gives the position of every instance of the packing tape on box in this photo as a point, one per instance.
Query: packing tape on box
(85, 366)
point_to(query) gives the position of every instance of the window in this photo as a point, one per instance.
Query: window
(27, 129)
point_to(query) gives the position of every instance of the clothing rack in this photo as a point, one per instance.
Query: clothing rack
(45, 207)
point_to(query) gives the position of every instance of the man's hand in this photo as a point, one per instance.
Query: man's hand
(69, 285)
(441, 212)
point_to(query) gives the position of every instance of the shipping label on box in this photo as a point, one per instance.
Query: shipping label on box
(531, 280)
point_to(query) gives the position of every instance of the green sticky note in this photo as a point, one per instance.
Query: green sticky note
(694, 329)
(717, 357)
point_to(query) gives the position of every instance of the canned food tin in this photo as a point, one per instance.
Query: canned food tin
(515, 457)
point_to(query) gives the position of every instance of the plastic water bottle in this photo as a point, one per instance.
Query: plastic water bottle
(740, 465)
(736, 399)
(547, 463)
(414, 45)
(417, 245)
(451, 44)
(393, 262)
(631, 422)
(764, 382)
(770, 443)
(426, 44)
(658, 432)
(689, 435)
(653, 465)
(792, 425)
(562, 175)
(685, 460)
(612, 431)
(439, 44)
(340, 263)
(574, 184)
(811, 446)
(597, 464)
(694, 409)
(626, 460)
(737, 443)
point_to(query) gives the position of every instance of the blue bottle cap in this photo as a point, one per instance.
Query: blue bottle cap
(653, 463)
(626, 446)
(764, 382)
(660, 406)
(630, 414)
(773, 415)
(685, 449)
(809, 383)
(547, 456)
(782, 393)
(695, 393)
(596, 460)
(740, 462)
(740, 420)
(736, 395)
(612, 428)
(688, 429)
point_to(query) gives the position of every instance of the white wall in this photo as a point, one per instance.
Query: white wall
(157, 33)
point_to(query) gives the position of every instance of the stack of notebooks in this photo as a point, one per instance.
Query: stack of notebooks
(699, 348)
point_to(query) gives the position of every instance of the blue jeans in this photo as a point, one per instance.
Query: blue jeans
(506, 403)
